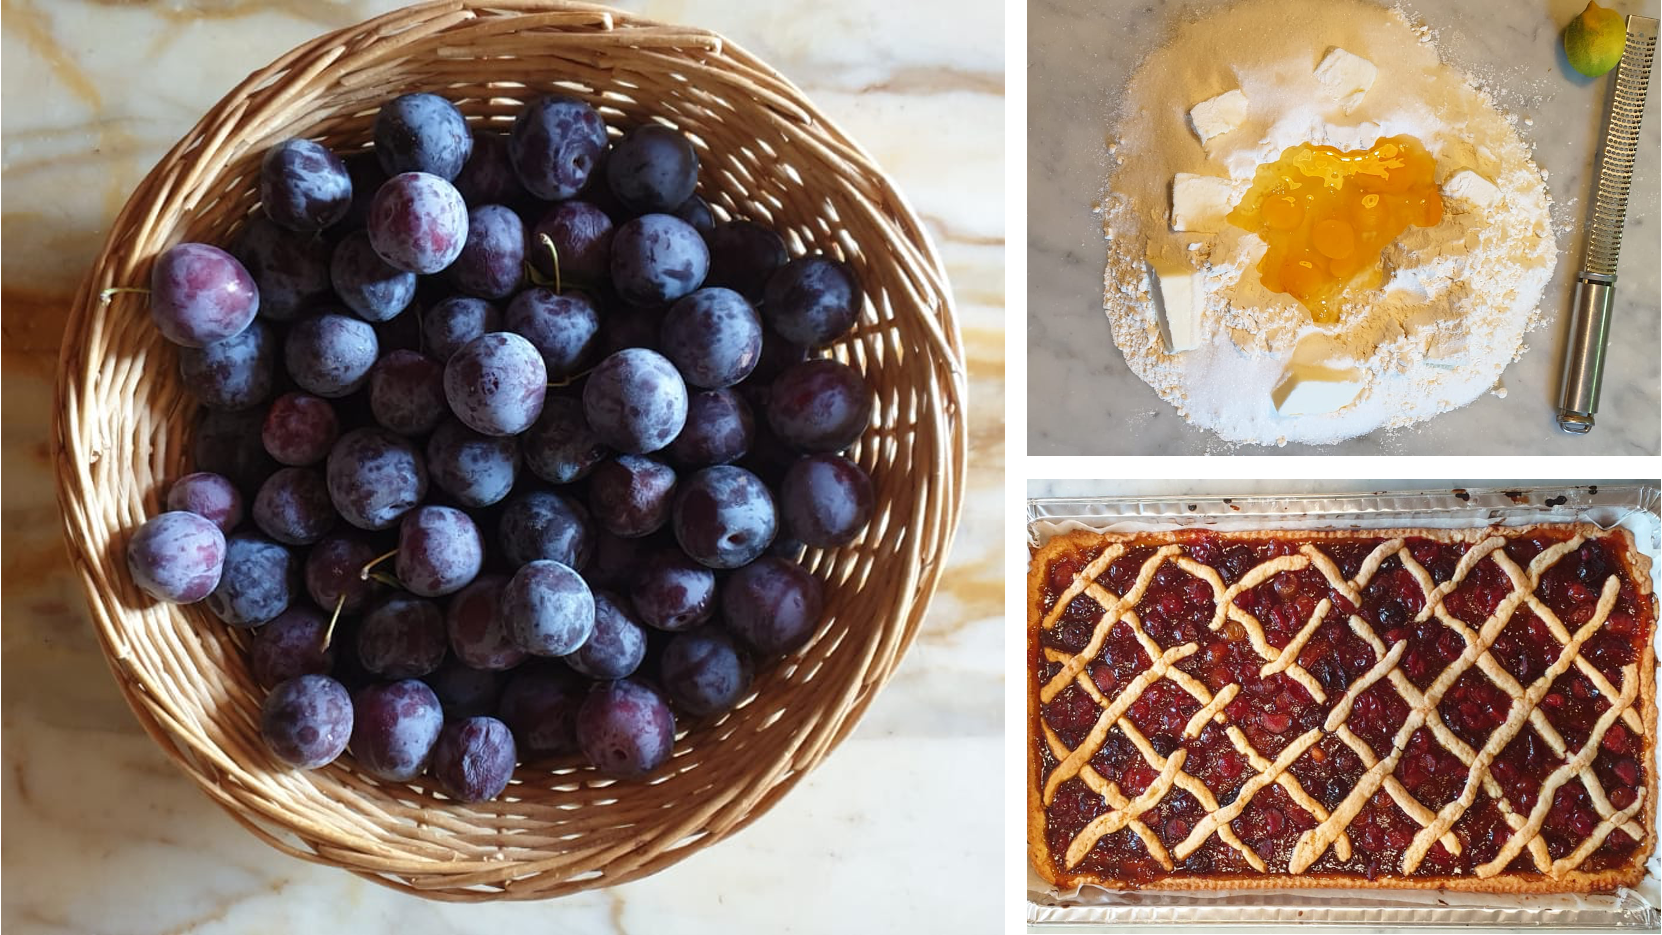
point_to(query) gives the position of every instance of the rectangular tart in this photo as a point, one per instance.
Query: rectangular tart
(1409, 708)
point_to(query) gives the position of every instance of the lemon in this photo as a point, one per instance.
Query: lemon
(1593, 41)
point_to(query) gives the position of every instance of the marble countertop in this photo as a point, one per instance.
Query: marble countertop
(1246, 487)
(1083, 399)
(104, 835)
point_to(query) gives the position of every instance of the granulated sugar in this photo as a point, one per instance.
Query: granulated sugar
(1454, 301)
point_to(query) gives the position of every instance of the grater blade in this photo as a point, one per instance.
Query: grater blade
(1621, 142)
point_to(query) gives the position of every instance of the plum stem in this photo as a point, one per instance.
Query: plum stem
(363, 573)
(554, 252)
(329, 634)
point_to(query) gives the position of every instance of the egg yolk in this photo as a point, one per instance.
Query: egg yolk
(1327, 215)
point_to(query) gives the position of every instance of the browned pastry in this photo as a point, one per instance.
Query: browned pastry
(1471, 709)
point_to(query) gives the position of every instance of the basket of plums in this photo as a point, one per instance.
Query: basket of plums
(506, 448)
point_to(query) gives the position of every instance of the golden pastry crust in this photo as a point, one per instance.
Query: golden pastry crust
(1079, 544)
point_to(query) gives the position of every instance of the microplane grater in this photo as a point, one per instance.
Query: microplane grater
(1595, 285)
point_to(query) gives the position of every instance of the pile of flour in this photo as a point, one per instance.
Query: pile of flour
(1448, 312)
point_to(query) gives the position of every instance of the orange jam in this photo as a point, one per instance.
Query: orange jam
(1327, 215)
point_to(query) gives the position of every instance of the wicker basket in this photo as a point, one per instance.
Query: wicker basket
(124, 420)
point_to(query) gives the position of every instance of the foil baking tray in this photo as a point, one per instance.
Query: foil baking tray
(1638, 508)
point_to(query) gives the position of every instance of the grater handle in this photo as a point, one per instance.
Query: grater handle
(1584, 359)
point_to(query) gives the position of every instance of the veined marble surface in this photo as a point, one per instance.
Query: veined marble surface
(104, 835)
(1083, 399)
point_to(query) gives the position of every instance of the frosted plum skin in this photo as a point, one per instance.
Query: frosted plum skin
(177, 557)
(200, 294)
(418, 222)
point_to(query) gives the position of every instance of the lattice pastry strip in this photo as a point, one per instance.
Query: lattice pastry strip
(1525, 708)
(1069, 767)
(1571, 770)
(1112, 795)
(1420, 704)
(1209, 709)
(1113, 609)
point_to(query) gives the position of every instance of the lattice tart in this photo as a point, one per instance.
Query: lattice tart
(1469, 709)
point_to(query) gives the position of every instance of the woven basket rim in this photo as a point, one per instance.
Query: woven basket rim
(112, 464)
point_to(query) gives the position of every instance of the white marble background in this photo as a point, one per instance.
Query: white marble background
(1083, 399)
(1177, 487)
(103, 835)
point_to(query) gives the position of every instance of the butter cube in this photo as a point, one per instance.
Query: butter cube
(1467, 188)
(1199, 203)
(1346, 77)
(1178, 299)
(1217, 116)
(1312, 390)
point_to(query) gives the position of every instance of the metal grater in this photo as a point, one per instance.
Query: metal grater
(1595, 285)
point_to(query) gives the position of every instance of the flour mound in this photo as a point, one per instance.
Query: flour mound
(1452, 303)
